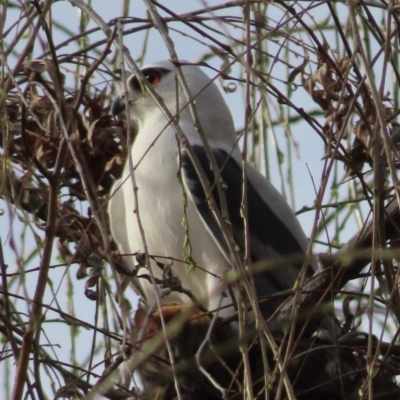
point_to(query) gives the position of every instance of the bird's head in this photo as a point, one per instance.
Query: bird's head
(162, 76)
(139, 99)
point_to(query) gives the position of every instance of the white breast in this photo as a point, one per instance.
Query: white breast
(162, 211)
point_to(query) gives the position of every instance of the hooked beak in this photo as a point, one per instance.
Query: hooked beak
(118, 107)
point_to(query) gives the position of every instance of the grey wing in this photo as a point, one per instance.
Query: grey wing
(273, 227)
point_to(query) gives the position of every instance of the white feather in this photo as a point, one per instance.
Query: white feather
(161, 199)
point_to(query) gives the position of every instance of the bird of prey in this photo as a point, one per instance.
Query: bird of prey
(180, 227)
(174, 210)
(176, 172)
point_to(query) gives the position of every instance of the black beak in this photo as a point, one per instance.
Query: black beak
(118, 107)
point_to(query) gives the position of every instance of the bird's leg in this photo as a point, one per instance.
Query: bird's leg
(186, 329)
(193, 317)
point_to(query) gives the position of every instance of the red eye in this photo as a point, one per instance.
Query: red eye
(153, 77)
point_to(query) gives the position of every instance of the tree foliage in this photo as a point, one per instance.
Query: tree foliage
(321, 73)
